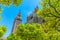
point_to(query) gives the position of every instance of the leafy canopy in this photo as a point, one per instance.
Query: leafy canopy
(50, 12)
(8, 2)
(33, 31)
(3, 30)
(27, 32)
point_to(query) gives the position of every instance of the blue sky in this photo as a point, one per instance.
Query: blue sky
(9, 13)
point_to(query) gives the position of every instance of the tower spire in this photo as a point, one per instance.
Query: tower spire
(36, 9)
(19, 14)
(17, 21)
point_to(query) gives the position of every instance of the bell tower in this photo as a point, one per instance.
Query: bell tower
(17, 21)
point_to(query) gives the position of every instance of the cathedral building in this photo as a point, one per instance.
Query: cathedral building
(33, 18)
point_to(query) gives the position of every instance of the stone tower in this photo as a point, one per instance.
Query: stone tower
(17, 21)
(33, 18)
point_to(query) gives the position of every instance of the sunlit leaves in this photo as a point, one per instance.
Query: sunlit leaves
(29, 31)
(34, 31)
(51, 6)
(50, 12)
(4, 2)
(8, 2)
(3, 30)
(0, 13)
(16, 2)
(13, 37)
(0, 1)
(0, 9)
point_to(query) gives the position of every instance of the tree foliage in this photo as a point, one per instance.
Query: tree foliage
(8, 2)
(3, 30)
(50, 12)
(33, 31)
(13, 36)
(0, 13)
(29, 31)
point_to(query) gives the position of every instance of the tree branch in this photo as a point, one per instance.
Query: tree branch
(55, 15)
(53, 7)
